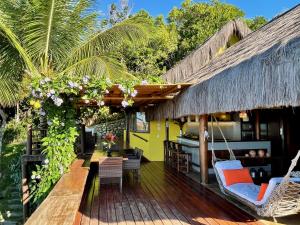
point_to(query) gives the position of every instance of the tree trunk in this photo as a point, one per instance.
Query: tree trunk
(2, 127)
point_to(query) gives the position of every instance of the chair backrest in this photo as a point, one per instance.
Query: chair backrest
(139, 153)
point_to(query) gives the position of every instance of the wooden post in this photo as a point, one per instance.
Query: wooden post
(167, 129)
(82, 138)
(29, 140)
(257, 125)
(203, 149)
(127, 130)
(25, 191)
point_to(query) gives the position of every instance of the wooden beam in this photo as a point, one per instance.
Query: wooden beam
(203, 149)
(83, 136)
(167, 129)
(25, 191)
(128, 115)
(29, 140)
(108, 98)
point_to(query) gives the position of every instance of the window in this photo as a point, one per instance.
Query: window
(139, 122)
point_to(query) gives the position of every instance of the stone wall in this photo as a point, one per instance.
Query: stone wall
(117, 127)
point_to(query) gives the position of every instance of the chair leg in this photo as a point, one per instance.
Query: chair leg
(121, 184)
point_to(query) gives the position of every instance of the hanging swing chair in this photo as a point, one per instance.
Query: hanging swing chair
(282, 196)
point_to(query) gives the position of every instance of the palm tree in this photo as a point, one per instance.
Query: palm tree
(56, 38)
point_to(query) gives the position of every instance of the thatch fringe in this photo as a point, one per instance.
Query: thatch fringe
(202, 55)
(261, 71)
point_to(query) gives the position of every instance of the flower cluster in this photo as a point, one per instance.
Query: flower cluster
(109, 139)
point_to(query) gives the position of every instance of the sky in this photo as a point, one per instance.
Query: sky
(252, 8)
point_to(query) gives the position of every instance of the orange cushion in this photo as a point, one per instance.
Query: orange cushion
(262, 191)
(237, 176)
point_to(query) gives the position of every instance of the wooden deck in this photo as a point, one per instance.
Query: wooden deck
(163, 197)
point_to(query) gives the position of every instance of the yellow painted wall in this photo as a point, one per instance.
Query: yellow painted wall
(154, 149)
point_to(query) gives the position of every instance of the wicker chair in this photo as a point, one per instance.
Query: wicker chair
(133, 163)
(111, 167)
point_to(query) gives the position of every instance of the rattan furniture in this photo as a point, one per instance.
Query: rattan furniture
(111, 167)
(133, 162)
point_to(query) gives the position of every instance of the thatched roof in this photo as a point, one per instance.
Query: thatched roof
(202, 55)
(260, 71)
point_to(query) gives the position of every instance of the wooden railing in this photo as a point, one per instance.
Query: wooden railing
(62, 203)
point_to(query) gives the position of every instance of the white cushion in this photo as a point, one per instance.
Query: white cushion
(227, 165)
(246, 191)
(249, 192)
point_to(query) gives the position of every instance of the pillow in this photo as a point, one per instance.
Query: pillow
(262, 191)
(227, 165)
(237, 176)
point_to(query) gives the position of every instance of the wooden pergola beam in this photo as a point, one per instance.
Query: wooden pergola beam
(139, 98)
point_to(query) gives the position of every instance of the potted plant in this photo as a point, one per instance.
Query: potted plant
(109, 140)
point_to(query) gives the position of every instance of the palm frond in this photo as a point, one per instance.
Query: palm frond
(98, 66)
(133, 29)
(7, 34)
(52, 28)
(8, 91)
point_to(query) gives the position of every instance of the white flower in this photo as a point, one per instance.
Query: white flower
(49, 94)
(101, 103)
(52, 92)
(106, 91)
(121, 88)
(38, 177)
(58, 101)
(42, 82)
(33, 93)
(8, 214)
(134, 93)
(80, 87)
(124, 103)
(63, 124)
(61, 169)
(85, 79)
(86, 101)
(32, 176)
(71, 84)
(42, 113)
(49, 123)
(144, 82)
(46, 161)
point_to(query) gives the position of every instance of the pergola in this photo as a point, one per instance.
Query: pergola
(147, 95)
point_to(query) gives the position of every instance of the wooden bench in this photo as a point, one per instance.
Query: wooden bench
(62, 203)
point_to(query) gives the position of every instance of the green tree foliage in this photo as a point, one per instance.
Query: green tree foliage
(256, 23)
(150, 59)
(196, 22)
(117, 13)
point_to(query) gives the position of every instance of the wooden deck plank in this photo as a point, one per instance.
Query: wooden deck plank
(95, 203)
(187, 198)
(163, 197)
(103, 219)
(213, 209)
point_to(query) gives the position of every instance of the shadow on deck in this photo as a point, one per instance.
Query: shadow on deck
(163, 197)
